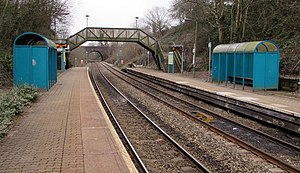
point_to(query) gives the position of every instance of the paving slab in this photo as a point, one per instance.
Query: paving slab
(66, 130)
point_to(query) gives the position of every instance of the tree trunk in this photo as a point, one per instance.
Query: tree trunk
(218, 11)
(244, 22)
(231, 24)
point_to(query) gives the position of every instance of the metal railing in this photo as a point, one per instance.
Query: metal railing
(119, 35)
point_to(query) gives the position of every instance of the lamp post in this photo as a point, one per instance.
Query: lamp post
(136, 22)
(87, 20)
(148, 53)
(86, 57)
(195, 44)
(209, 59)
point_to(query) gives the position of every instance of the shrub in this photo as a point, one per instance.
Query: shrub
(12, 103)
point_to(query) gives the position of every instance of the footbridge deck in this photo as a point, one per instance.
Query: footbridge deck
(119, 35)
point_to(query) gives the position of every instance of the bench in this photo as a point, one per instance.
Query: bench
(239, 80)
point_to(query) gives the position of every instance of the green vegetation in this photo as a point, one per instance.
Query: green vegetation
(225, 22)
(219, 22)
(46, 17)
(234, 21)
(12, 104)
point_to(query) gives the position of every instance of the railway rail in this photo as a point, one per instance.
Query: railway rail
(160, 153)
(262, 144)
(278, 118)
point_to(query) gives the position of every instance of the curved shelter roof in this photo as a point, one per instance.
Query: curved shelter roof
(255, 46)
(33, 39)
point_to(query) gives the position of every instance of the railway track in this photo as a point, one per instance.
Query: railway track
(151, 147)
(286, 120)
(262, 144)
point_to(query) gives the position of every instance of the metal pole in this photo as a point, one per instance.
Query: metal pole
(87, 20)
(194, 56)
(148, 58)
(55, 29)
(182, 60)
(86, 57)
(209, 59)
(136, 22)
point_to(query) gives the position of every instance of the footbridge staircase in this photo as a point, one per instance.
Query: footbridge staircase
(119, 35)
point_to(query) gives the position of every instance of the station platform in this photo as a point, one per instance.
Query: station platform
(276, 100)
(66, 130)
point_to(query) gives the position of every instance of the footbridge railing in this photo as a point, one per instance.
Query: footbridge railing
(119, 35)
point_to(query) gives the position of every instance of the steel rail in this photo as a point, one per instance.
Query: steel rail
(199, 165)
(232, 138)
(209, 112)
(135, 154)
(266, 115)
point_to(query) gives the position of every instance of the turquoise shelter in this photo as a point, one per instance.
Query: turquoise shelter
(35, 61)
(249, 63)
(61, 59)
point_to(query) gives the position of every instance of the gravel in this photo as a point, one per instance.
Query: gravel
(217, 153)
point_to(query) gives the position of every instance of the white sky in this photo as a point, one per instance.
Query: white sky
(110, 13)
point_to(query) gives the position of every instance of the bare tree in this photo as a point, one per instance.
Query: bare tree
(222, 15)
(158, 20)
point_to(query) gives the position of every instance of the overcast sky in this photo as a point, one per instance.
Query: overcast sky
(110, 13)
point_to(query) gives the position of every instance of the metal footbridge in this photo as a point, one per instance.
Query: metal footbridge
(119, 35)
